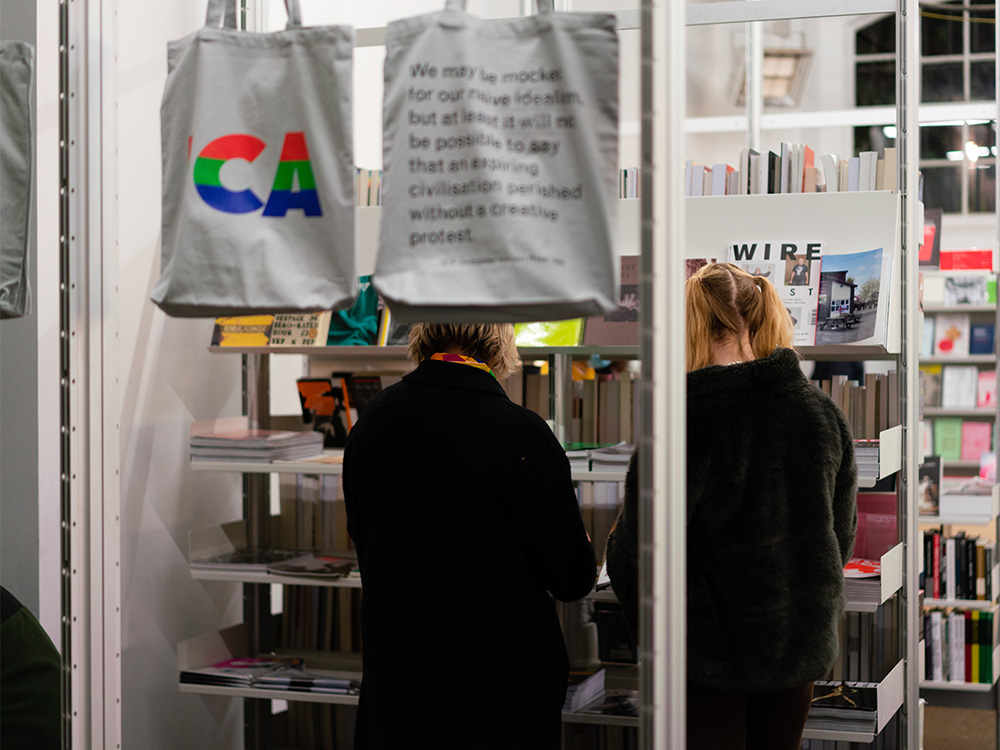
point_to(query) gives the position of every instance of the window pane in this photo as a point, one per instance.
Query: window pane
(981, 27)
(937, 141)
(871, 138)
(877, 37)
(983, 83)
(982, 188)
(942, 83)
(941, 36)
(942, 188)
(984, 134)
(876, 83)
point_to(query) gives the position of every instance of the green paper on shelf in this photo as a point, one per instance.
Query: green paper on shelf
(991, 291)
(550, 333)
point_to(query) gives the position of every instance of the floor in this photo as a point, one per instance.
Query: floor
(959, 729)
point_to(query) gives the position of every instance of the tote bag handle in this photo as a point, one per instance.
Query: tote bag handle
(544, 6)
(227, 8)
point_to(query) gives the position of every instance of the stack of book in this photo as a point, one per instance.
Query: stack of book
(862, 581)
(585, 686)
(843, 706)
(866, 458)
(255, 446)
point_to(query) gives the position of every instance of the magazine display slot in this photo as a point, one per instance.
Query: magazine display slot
(867, 595)
(219, 647)
(991, 511)
(866, 727)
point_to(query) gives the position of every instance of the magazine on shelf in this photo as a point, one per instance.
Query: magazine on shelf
(794, 268)
(298, 678)
(235, 672)
(854, 297)
(313, 565)
(585, 686)
(244, 560)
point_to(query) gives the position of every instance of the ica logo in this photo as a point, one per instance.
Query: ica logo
(294, 163)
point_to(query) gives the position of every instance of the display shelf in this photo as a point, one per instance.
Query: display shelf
(936, 307)
(966, 687)
(969, 359)
(889, 697)
(943, 411)
(212, 541)
(616, 677)
(966, 520)
(887, 584)
(601, 475)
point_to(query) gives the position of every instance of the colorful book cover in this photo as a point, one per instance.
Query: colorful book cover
(359, 324)
(977, 438)
(986, 391)
(929, 487)
(981, 338)
(549, 333)
(300, 329)
(930, 384)
(948, 438)
(620, 327)
(244, 330)
(951, 335)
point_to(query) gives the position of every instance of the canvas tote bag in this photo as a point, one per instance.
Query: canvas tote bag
(17, 67)
(501, 159)
(258, 170)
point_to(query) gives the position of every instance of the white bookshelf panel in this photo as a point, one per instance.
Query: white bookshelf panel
(888, 583)
(890, 698)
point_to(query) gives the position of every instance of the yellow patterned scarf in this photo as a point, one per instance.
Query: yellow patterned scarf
(462, 360)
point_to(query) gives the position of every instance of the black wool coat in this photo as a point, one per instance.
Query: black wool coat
(771, 517)
(465, 519)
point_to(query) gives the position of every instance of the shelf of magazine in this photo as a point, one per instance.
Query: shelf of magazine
(965, 687)
(889, 698)
(966, 520)
(889, 458)
(231, 642)
(877, 590)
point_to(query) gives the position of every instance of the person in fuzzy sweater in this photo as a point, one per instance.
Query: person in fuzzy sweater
(771, 518)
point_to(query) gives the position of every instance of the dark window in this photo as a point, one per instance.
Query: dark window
(876, 83)
(879, 37)
(940, 34)
(937, 141)
(982, 80)
(942, 82)
(943, 187)
(982, 187)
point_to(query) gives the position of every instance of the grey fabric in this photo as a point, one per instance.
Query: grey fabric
(499, 194)
(251, 123)
(17, 68)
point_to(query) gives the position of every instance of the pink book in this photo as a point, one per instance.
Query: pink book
(977, 438)
(987, 390)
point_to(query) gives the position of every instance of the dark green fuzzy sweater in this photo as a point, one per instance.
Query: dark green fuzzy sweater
(771, 516)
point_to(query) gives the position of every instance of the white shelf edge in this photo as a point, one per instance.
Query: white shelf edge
(945, 411)
(300, 696)
(350, 582)
(935, 307)
(970, 359)
(589, 475)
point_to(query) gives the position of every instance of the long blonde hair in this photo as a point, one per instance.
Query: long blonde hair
(491, 343)
(724, 300)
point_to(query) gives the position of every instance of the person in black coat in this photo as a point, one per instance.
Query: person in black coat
(465, 518)
(771, 518)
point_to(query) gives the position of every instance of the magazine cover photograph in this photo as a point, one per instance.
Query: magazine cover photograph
(849, 287)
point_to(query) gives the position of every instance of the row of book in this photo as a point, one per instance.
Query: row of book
(959, 646)
(957, 386)
(887, 739)
(958, 567)
(599, 506)
(367, 186)
(869, 644)
(957, 439)
(870, 406)
(954, 335)
(321, 618)
(794, 169)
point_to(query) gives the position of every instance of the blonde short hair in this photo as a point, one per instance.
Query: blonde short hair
(491, 343)
(723, 300)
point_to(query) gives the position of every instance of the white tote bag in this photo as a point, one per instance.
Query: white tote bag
(17, 67)
(501, 161)
(258, 170)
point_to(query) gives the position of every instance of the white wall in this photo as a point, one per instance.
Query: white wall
(168, 379)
